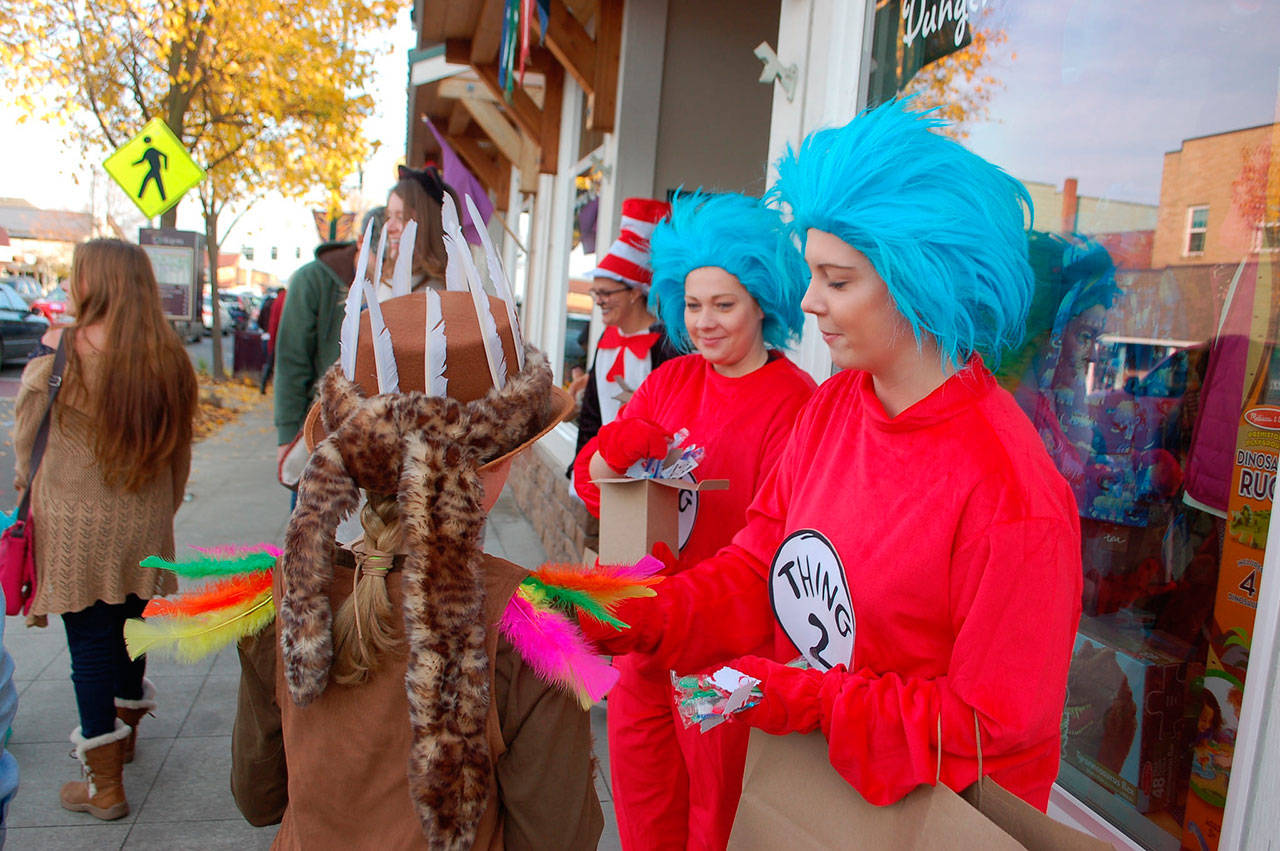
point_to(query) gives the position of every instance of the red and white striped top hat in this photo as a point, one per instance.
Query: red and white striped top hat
(628, 259)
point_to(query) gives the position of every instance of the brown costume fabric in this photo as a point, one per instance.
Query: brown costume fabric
(347, 750)
(426, 450)
(259, 774)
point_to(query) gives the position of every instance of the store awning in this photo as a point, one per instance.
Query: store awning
(454, 81)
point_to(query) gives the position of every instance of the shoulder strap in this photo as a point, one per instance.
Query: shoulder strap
(42, 434)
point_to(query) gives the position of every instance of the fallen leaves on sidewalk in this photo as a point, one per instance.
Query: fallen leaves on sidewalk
(222, 403)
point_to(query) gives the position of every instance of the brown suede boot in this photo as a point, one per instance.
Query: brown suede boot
(131, 712)
(101, 793)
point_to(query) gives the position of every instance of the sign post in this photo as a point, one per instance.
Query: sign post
(154, 169)
(177, 258)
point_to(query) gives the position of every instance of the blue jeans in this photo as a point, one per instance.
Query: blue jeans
(101, 669)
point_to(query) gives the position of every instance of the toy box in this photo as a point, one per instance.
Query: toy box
(1124, 725)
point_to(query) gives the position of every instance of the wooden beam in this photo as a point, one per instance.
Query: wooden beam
(528, 163)
(459, 118)
(488, 35)
(505, 137)
(481, 164)
(570, 44)
(553, 94)
(602, 100)
(456, 88)
(521, 107)
(457, 51)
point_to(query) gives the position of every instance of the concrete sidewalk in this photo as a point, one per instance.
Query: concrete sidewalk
(178, 785)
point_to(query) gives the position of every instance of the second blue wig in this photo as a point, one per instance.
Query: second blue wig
(943, 227)
(744, 237)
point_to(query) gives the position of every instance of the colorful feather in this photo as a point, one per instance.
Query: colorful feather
(200, 567)
(498, 277)
(436, 350)
(402, 277)
(607, 589)
(555, 650)
(215, 595)
(189, 639)
(458, 251)
(569, 600)
(645, 568)
(384, 356)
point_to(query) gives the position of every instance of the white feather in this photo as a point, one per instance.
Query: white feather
(350, 333)
(436, 349)
(458, 251)
(384, 357)
(455, 279)
(402, 277)
(498, 276)
(376, 277)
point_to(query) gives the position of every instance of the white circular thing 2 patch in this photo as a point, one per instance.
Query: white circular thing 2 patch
(810, 598)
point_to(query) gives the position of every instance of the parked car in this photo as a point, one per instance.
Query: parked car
(26, 286)
(53, 305)
(237, 307)
(21, 326)
(224, 316)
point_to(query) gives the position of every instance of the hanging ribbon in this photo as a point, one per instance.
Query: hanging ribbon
(526, 14)
(638, 344)
(507, 47)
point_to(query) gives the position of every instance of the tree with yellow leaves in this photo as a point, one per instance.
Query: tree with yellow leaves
(268, 95)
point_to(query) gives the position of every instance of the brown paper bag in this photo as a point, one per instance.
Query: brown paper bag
(793, 799)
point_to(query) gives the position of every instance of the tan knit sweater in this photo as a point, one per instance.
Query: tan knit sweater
(89, 537)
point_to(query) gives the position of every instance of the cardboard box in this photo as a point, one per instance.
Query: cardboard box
(1124, 722)
(635, 514)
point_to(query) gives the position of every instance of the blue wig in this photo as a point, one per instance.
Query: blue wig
(745, 238)
(942, 226)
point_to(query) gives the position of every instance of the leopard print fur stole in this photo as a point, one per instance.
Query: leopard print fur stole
(426, 450)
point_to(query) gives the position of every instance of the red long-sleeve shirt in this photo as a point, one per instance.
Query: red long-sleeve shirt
(955, 543)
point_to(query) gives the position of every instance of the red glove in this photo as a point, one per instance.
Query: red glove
(792, 701)
(644, 619)
(587, 490)
(621, 443)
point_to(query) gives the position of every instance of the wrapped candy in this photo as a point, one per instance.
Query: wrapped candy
(709, 699)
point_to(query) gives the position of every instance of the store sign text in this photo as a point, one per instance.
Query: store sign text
(1257, 474)
(923, 18)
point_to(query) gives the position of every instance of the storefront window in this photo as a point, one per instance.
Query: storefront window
(1144, 134)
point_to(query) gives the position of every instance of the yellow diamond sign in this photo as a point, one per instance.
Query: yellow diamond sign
(154, 169)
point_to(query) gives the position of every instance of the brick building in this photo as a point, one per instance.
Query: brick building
(1213, 199)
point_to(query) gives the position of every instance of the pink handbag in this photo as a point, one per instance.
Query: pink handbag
(17, 544)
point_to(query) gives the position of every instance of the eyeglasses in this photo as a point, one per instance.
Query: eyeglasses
(601, 295)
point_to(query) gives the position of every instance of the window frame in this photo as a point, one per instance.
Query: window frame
(1193, 230)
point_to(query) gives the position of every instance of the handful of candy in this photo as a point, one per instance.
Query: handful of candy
(678, 463)
(709, 699)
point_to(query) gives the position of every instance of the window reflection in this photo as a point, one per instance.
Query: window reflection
(1144, 133)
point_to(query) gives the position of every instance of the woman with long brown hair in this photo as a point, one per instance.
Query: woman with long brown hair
(112, 477)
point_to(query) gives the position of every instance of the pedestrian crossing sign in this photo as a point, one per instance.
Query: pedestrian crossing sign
(154, 169)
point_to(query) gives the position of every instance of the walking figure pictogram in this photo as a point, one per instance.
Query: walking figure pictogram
(156, 161)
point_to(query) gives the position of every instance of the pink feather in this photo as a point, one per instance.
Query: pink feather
(555, 649)
(643, 569)
(236, 550)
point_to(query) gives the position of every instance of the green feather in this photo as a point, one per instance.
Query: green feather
(203, 566)
(571, 598)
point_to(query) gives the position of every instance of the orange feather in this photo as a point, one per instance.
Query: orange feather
(211, 597)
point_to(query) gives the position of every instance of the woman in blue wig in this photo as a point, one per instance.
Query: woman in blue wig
(914, 543)
(727, 282)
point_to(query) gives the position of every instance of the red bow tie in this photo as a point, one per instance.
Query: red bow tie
(638, 344)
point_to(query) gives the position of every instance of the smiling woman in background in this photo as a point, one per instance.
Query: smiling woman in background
(727, 279)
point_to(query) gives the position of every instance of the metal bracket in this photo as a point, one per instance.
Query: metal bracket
(787, 76)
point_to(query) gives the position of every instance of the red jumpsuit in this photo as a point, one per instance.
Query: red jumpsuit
(942, 548)
(677, 788)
